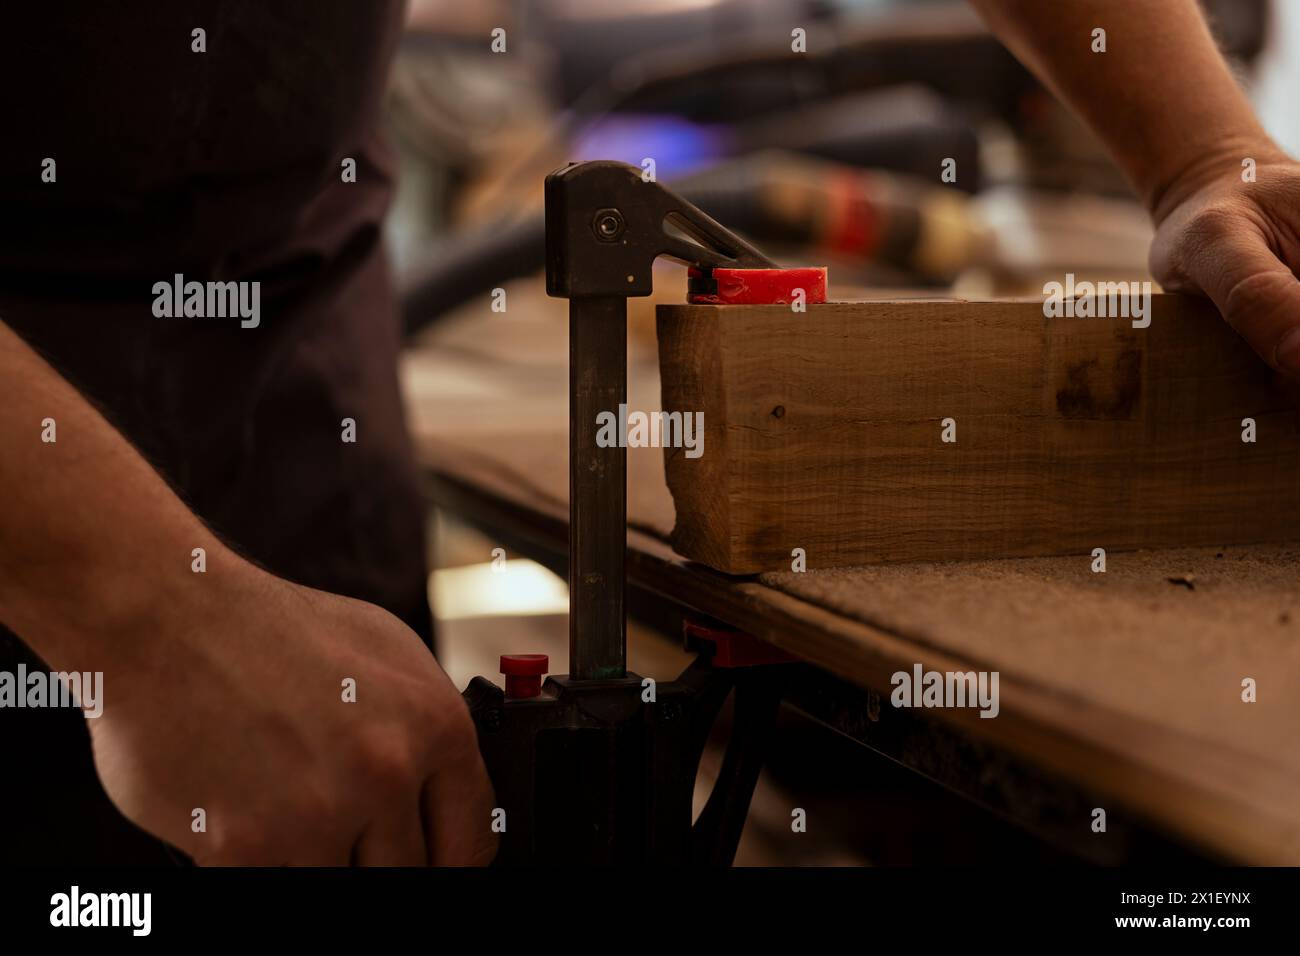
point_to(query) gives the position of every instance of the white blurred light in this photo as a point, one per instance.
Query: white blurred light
(515, 587)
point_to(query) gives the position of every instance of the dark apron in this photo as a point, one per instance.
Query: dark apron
(221, 166)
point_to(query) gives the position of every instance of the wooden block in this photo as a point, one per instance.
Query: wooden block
(823, 432)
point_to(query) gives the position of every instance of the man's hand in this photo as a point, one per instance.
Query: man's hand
(223, 691)
(234, 705)
(1239, 243)
(1171, 113)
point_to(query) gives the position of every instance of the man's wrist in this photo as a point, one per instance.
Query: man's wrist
(108, 616)
(1224, 164)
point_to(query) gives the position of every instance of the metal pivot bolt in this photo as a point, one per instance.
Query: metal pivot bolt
(608, 224)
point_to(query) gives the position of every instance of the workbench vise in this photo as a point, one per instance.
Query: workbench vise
(598, 766)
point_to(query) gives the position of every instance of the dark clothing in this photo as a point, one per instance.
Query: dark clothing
(222, 165)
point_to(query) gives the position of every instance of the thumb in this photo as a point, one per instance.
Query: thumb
(1255, 291)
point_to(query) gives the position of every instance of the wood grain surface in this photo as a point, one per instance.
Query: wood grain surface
(823, 431)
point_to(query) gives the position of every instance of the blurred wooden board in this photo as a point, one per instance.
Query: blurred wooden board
(1125, 684)
(824, 431)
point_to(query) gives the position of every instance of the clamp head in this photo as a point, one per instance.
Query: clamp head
(606, 225)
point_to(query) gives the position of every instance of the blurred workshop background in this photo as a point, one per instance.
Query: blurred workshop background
(831, 156)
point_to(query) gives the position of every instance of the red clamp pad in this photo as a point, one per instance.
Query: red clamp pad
(757, 286)
(524, 674)
(736, 648)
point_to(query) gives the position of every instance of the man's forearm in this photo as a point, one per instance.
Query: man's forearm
(93, 543)
(1161, 96)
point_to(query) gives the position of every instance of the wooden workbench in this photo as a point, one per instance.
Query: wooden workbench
(1123, 690)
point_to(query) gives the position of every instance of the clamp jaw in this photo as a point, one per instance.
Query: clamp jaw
(599, 766)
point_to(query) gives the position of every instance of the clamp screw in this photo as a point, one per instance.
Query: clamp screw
(608, 225)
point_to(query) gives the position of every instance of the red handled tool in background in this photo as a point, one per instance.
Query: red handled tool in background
(598, 766)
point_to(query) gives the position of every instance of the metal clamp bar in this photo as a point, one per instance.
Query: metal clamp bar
(605, 226)
(597, 490)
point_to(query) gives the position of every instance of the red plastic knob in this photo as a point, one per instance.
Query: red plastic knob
(760, 286)
(524, 674)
